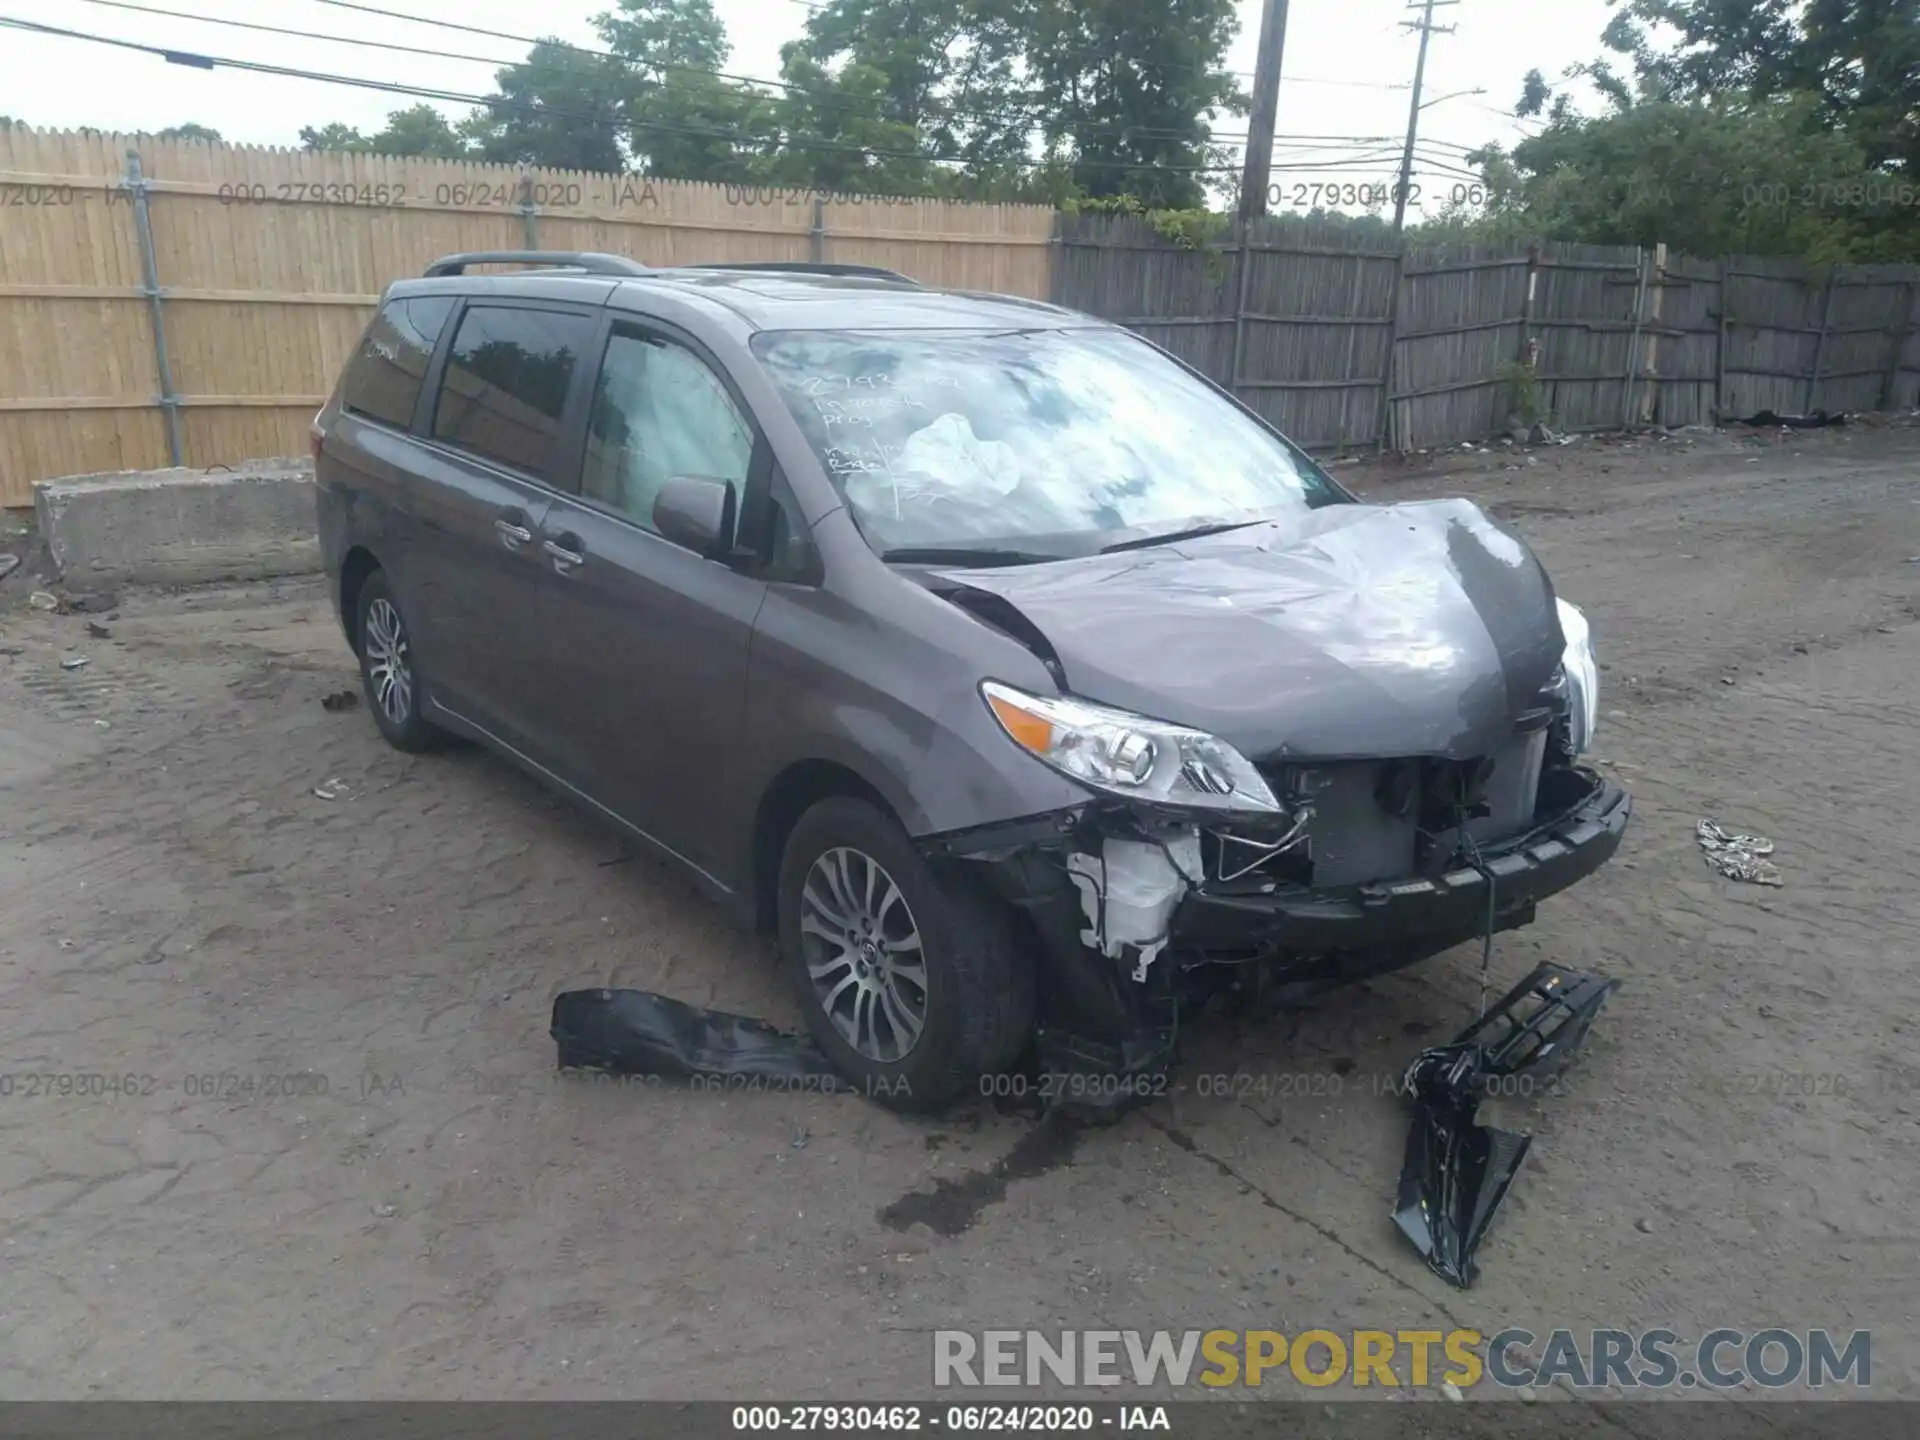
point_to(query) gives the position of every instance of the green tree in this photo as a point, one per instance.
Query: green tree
(190, 132)
(423, 131)
(1740, 175)
(1780, 126)
(652, 104)
(683, 119)
(419, 130)
(333, 136)
(939, 79)
(835, 133)
(1125, 87)
(1858, 59)
(561, 107)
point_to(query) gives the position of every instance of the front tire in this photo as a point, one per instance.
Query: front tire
(389, 672)
(913, 983)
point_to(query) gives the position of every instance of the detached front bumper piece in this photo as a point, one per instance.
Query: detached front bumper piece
(1457, 1171)
(1431, 914)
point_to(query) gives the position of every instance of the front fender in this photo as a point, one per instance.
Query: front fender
(887, 686)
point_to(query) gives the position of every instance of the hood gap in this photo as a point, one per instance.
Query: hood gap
(1006, 617)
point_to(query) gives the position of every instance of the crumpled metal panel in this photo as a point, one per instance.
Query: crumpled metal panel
(1343, 632)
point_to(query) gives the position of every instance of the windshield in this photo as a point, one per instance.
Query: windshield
(1034, 444)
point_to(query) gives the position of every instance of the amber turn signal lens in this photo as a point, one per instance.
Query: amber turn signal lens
(1029, 729)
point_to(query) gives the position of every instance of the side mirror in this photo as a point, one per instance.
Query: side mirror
(696, 512)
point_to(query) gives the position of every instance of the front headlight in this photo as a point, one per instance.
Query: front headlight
(1129, 755)
(1583, 678)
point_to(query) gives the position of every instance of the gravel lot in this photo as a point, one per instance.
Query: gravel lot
(449, 1220)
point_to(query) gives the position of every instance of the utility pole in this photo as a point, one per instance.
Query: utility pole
(1266, 111)
(1426, 28)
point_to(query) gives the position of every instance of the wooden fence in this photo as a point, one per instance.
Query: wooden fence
(1351, 343)
(169, 302)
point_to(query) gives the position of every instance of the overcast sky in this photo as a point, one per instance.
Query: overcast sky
(62, 83)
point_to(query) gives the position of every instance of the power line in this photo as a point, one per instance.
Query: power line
(1357, 164)
(301, 34)
(197, 60)
(628, 62)
(209, 62)
(818, 5)
(1231, 139)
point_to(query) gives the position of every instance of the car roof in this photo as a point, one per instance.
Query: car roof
(773, 299)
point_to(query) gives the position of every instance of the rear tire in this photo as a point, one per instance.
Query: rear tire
(388, 671)
(912, 982)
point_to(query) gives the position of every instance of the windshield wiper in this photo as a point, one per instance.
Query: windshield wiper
(963, 556)
(1218, 527)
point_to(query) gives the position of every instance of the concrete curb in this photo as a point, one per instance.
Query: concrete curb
(181, 526)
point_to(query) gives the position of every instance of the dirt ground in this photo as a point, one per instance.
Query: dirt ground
(448, 1219)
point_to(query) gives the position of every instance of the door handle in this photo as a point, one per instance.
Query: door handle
(565, 559)
(511, 532)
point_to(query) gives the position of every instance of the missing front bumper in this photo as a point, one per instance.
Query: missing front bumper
(1114, 987)
(1423, 916)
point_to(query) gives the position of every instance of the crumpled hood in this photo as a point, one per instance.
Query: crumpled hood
(1345, 632)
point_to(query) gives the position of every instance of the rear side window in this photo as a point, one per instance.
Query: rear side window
(383, 380)
(506, 384)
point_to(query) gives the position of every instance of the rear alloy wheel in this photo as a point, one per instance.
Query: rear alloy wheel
(913, 982)
(389, 672)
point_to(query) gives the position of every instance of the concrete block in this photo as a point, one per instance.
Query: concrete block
(181, 526)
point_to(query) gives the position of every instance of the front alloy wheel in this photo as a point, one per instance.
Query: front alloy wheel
(915, 982)
(863, 954)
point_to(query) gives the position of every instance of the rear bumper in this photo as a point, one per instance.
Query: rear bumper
(1426, 915)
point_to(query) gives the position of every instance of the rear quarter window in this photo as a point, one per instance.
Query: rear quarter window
(384, 376)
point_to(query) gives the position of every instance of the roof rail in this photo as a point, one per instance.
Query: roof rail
(803, 268)
(593, 262)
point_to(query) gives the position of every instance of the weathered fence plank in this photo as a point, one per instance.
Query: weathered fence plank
(222, 319)
(261, 268)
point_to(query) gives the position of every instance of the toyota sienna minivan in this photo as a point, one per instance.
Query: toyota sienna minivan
(1027, 686)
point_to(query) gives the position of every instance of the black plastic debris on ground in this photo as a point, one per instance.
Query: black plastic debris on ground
(634, 1032)
(1818, 420)
(340, 700)
(1456, 1171)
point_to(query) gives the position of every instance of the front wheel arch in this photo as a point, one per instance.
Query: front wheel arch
(796, 790)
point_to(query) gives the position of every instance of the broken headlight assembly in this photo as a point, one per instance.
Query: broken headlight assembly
(1582, 678)
(1127, 755)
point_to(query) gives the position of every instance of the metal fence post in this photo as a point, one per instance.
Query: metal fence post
(169, 403)
(1527, 304)
(817, 236)
(529, 213)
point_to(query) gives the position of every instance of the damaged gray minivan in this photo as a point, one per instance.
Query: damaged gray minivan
(1028, 686)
